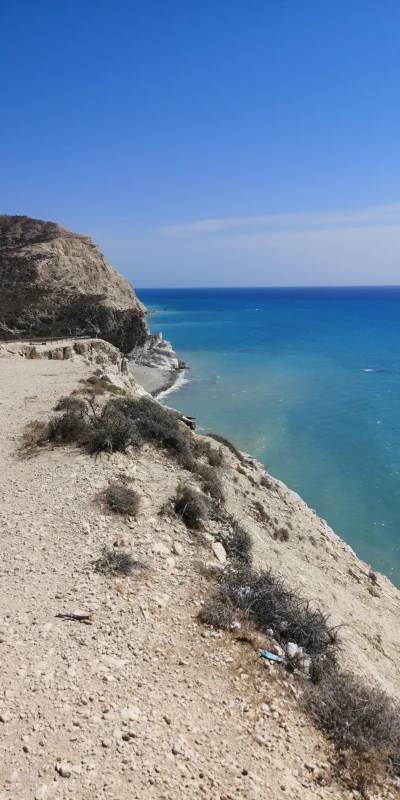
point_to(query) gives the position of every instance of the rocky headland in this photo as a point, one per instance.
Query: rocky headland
(56, 283)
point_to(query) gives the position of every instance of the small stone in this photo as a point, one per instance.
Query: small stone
(161, 549)
(86, 528)
(292, 650)
(106, 743)
(177, 548)
(41, 792)
(5, 716)
(116, 663)
(219, 551)
(130, 714)
(265, 708)
(64, 769)
(177, 749)
(170, 562)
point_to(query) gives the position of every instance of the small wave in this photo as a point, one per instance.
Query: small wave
(379, 371)
(180, 381)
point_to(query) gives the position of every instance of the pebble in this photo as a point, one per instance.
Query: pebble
(177, 548)
(170, 562)
(64, 769)
(5, 716)
(41, 792)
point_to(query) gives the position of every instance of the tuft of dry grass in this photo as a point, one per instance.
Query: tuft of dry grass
(121, 499)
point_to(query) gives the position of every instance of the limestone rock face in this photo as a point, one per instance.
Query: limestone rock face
(55, 283)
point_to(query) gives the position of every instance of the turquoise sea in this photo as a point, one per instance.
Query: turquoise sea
(308, 381)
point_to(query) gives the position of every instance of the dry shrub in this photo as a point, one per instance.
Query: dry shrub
(260, 513)
(117, 562)
(282, 534)
(210, 479)
(201, 446)
(228, 444)
(156, 424)
(72, 425)
(269, 603)
(111, 431)
(266, 481)
(237, 542)
(192, 506)
(121, 499)
(34, 436)
(362, 721)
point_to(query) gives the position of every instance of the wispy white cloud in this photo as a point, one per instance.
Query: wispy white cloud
(276, 223)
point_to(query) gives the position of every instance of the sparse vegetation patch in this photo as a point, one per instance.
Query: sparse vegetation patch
(121, 499)
(117, 562)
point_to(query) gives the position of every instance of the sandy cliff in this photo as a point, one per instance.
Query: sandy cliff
(56, 283)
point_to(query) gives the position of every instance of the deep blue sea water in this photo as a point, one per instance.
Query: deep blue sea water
(308, 381)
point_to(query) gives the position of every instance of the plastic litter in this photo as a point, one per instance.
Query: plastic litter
(270, 656)
(234, 626)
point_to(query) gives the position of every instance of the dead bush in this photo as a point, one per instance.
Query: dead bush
(228, 444)
(70, 403)
(356, 717)
(269, 603)
(117, 562)
(34, 435)
(192, 506)
(121, 499)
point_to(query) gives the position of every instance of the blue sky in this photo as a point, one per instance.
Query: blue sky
(212, 142)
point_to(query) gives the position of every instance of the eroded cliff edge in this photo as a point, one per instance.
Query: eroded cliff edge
(56, 283)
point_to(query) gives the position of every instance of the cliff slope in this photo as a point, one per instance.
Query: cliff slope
(56, 283)
(146, 702)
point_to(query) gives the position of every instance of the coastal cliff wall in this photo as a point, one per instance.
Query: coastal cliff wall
(56, 283)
